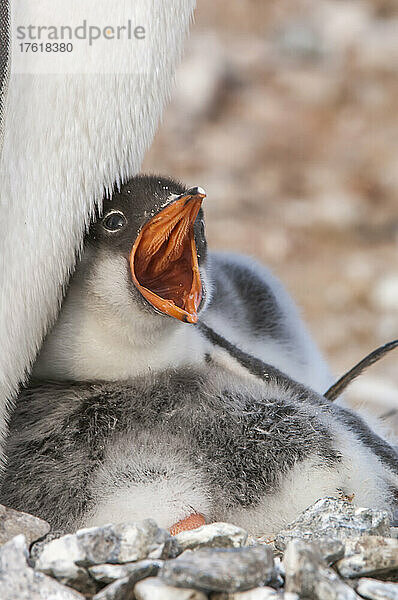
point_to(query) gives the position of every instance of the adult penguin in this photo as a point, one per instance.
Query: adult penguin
(66, 140)
(4, 60)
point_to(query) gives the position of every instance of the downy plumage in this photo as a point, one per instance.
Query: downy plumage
(146, 415)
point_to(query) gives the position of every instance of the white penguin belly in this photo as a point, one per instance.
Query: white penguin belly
(144, 477)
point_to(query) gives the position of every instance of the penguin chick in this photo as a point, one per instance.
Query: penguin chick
(145, 278)
(189, 441)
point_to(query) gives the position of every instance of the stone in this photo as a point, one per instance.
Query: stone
(261, 593)
(330, 550)
(38, 547)
(18, 581)
(215, 535)
(370, 556)
(377, 590)
(308, 575)
(334, 519)
(121, 543)
(65, 549)
(278, 579)
(155, 589)
(125, 542)
(135, 571)
(122, 589)
(394, 532)
(174, 548)
(13, 523)
(219, 569)
(14, 555)
(68, 573)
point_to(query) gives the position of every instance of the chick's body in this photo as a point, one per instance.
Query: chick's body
(136, 413)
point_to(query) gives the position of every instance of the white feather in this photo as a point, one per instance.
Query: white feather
(67, 139)
(144, 476)
(162, 485)
(102, 333)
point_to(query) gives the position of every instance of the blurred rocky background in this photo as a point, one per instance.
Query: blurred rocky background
(287, 114)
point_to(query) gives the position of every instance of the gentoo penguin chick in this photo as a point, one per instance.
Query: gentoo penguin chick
(188, 442)
(146, 420)
(146, 277)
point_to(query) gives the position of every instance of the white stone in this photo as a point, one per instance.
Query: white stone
(118, 590)
(369, 555)
(134, 570)
(120, 543)
(64, 549)
(335, 519)
(18, 581)
(154, 589)
(124, 542)
(68, 573)
(215, 535)
(308, 576)
(377, 590)
(261, 593)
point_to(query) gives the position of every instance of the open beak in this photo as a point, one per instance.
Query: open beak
(164, 261)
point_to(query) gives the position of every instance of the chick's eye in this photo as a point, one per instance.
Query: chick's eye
(114, 221)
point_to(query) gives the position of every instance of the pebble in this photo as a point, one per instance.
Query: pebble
(308, 575)
(64, 549)
(261, 593)
(122, 589)
(119, 543)
(13, 522)
(222, 570)
(68, 573)
(135, 571)
(278, 579)
(18, 581)
(330, 550)
(14, 554)
(377, 590)
(334, 519)
(394, 532)
(155, 589)
(215, 535)
(37, 548)
(370, 556)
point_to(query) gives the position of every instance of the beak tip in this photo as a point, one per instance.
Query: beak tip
(196, 191)
(192, 318)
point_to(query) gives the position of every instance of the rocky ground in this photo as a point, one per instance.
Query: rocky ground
(333, 551)
(286, 113)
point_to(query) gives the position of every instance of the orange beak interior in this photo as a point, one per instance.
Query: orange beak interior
(164, 261)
